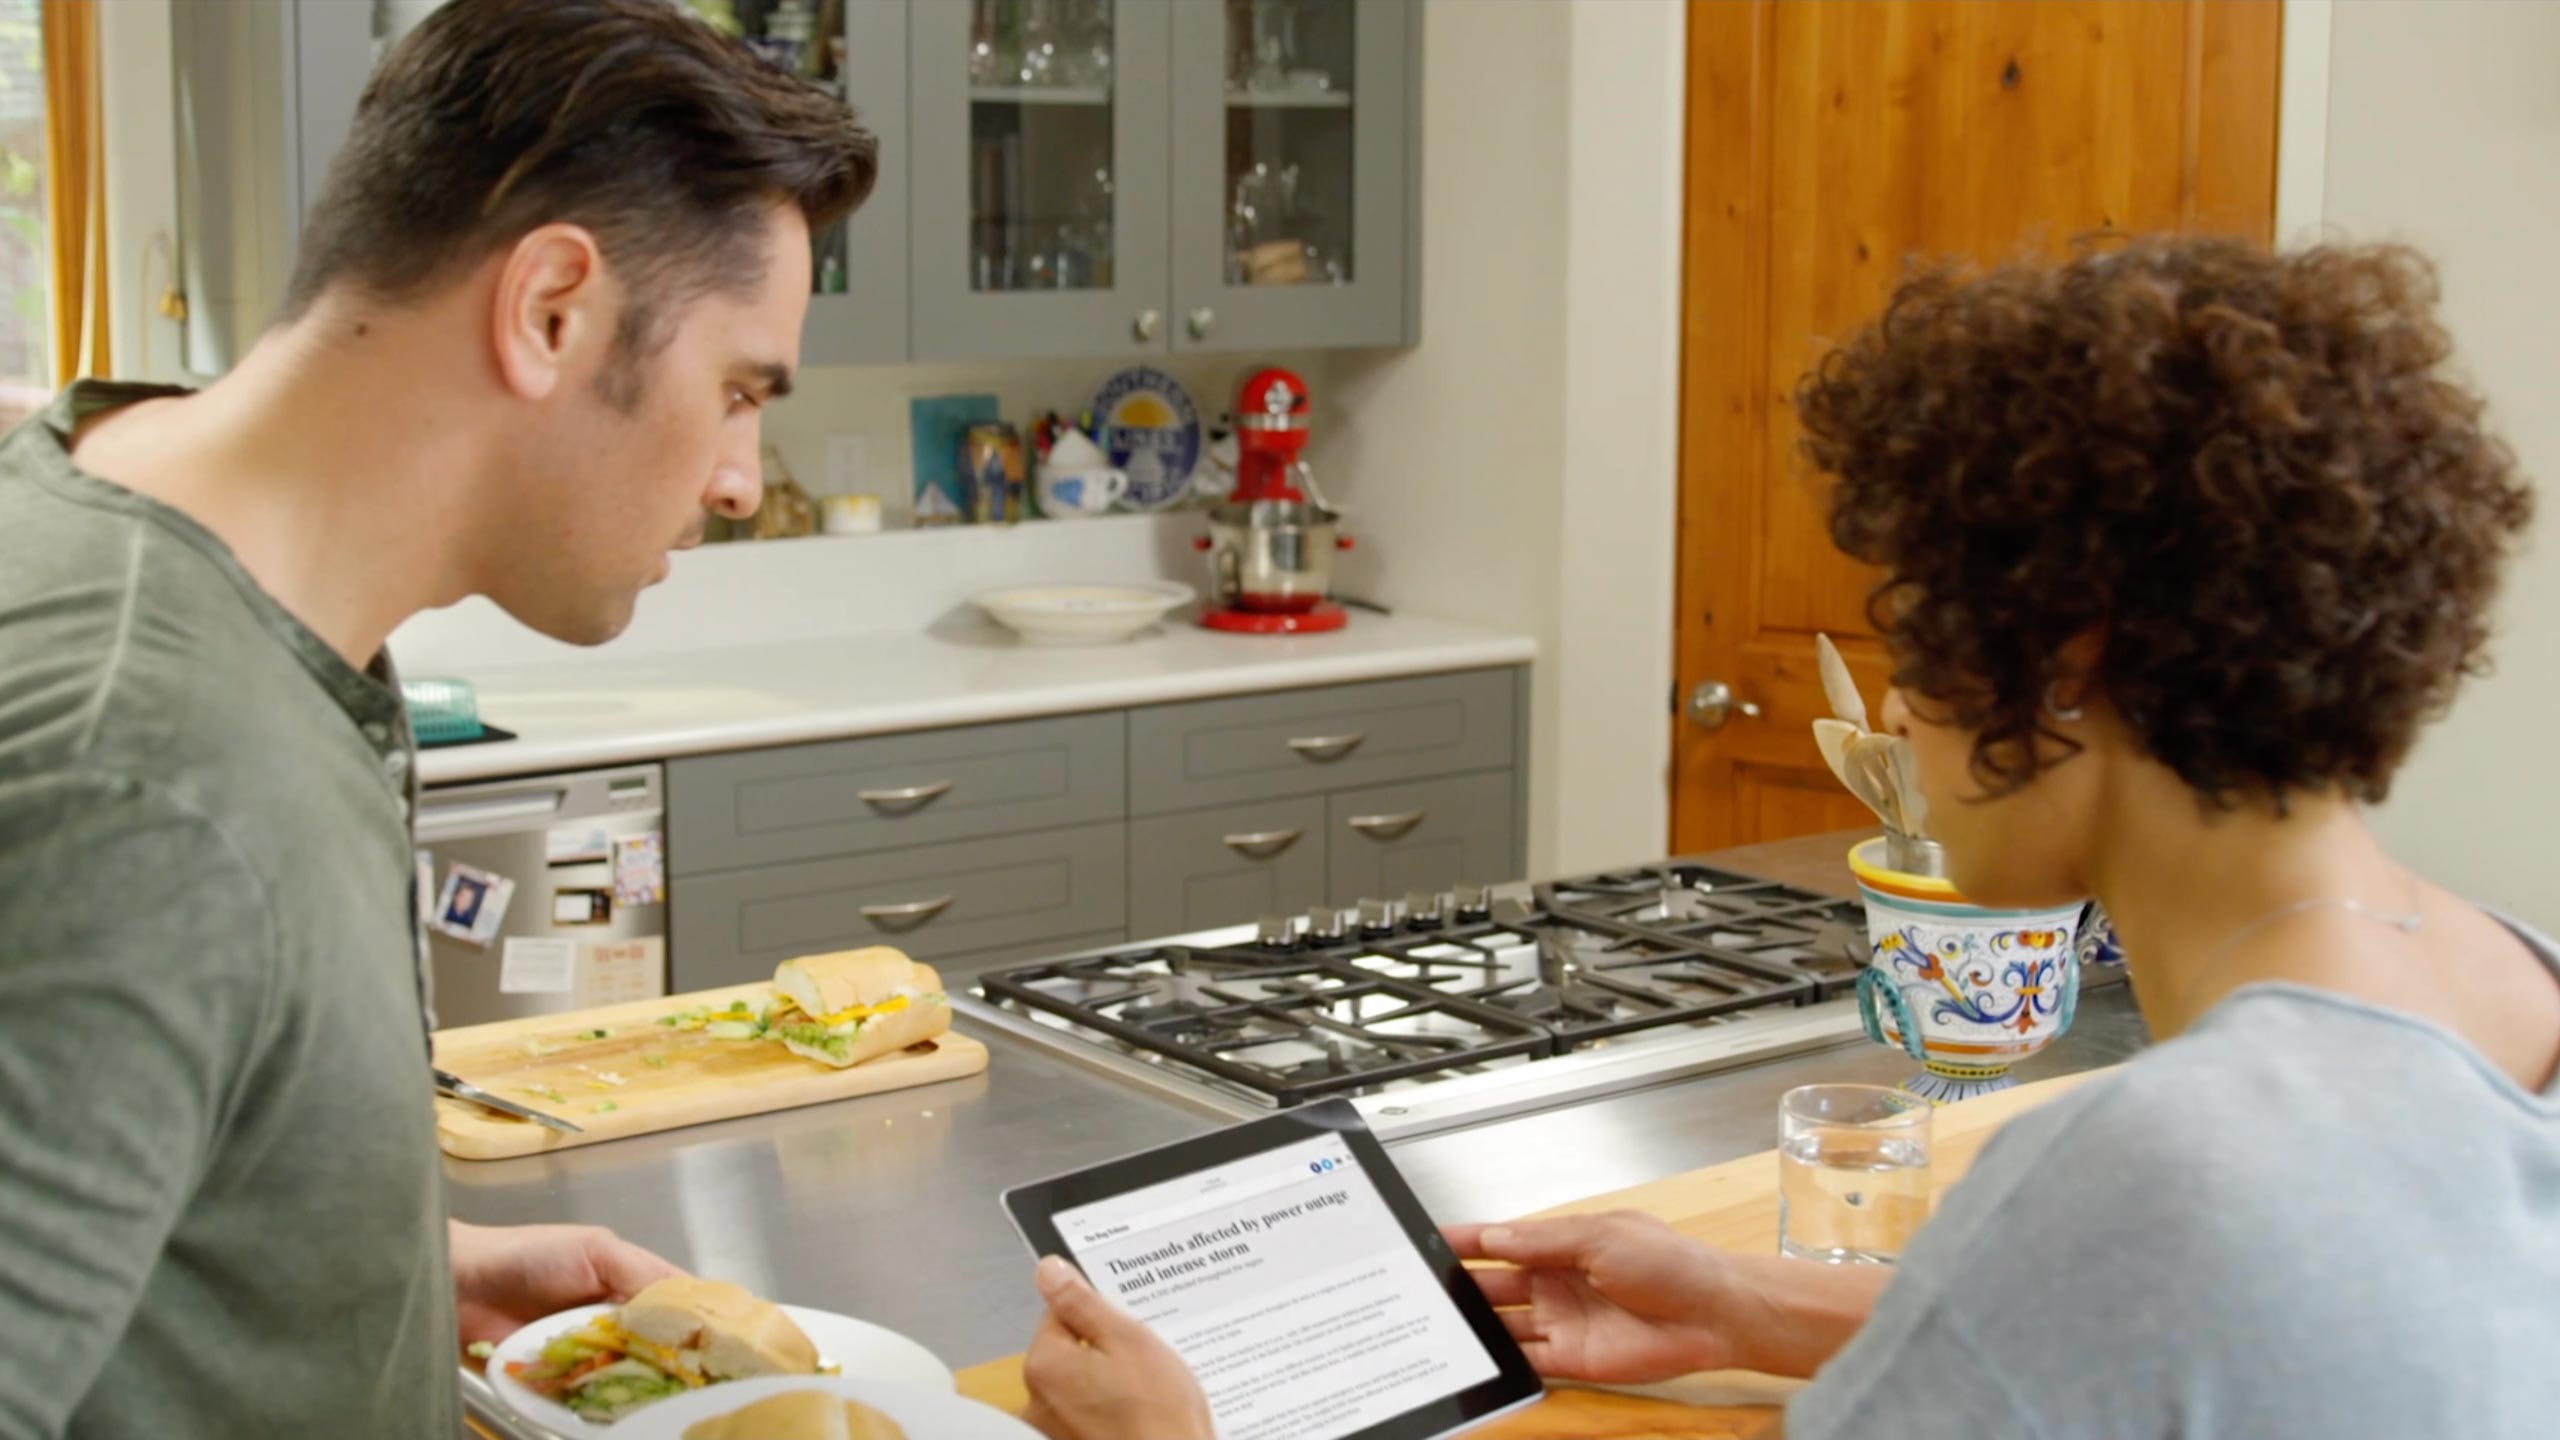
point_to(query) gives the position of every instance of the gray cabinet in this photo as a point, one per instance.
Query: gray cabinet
(1039, 219)
(1295, 165)
(1296, 742)
(1127, 177)
(797, 802)
(1393, 840)
(1111, 178)
(1217, 867)
(963, 905)
(991, 844)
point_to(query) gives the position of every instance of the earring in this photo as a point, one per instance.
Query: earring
(2054, 707)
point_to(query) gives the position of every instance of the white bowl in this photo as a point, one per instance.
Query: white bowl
(1083, 614)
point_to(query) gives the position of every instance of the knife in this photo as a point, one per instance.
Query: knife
(461, 1089)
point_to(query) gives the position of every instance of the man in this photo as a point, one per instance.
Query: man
(553, 279)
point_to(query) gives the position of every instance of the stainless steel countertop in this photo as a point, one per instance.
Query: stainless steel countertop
(885, 1207)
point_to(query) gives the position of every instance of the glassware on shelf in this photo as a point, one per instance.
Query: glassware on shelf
(995, 56)
(1039, 66)
(1084, 61)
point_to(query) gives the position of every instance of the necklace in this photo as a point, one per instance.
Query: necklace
(2407, 923)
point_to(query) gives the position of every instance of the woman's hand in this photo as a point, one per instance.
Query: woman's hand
(505, 1277)
(1096, 1373)
(1619, 1298)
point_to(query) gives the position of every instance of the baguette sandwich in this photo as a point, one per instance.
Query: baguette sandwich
(799, 1415)
(677, 1335)
(846, 1007)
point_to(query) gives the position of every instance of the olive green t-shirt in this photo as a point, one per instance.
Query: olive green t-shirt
(219, 1203)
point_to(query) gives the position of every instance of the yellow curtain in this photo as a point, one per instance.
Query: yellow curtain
(75, 189)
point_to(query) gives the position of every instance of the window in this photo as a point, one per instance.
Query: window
(24, 385)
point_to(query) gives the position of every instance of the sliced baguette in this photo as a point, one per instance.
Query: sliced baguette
(719, 1329)
(799, 1415)
(823, 985)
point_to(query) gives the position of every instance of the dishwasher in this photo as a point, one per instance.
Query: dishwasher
(544, 894)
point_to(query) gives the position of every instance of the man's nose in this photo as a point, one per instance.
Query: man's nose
(734, 493)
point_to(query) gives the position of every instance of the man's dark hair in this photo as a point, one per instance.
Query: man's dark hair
(628, 117)
(2248, 472)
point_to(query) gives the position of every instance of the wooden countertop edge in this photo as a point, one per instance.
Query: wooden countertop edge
(1733, 1205)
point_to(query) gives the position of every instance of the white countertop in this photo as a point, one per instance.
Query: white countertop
(605, 711)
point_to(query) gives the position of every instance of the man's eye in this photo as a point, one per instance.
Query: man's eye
(739, 400)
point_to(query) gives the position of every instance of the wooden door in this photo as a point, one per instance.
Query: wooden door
(1826, 143)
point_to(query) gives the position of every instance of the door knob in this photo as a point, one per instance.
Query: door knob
(1202, 318)
(1713, 703)
(1144, 327)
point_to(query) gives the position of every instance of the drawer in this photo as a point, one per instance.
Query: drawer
(1010, 893)
(1223, 867)
(1393, 840)
(801, 802)
(1307, 742)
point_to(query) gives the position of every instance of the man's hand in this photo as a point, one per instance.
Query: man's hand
(1096, 1373)
(505, 1277)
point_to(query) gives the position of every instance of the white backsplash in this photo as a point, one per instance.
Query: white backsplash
(783, 591)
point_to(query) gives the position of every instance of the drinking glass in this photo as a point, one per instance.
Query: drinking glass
(1853, 1172)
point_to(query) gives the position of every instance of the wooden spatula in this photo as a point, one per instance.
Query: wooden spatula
(1837, 684)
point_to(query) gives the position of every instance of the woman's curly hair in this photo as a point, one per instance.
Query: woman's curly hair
(2243, 470)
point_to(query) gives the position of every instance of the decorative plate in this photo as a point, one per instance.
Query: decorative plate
(1151, 431)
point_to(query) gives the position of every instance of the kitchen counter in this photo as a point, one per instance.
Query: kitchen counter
(886, 1206)
(604, 710)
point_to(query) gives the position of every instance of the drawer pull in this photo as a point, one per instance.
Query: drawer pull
(914, 912)
(1263, 844)
(1387, 827)
(1327, 747)
(912, 797)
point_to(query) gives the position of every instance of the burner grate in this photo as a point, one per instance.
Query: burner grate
(1574, 964)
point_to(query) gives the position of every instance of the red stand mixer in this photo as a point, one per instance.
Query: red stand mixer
(1270, 546)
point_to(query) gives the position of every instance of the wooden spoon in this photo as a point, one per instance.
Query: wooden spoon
(1838, 684)
(1871, 766)
(1832, 737)
(1906, 791)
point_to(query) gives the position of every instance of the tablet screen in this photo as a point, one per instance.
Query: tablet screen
(1292, 1280)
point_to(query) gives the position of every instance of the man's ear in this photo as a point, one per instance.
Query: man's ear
(553, 306)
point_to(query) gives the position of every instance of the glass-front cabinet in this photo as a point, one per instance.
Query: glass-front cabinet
(850, 48)
(1291, 174)
(1110, 177)
(1100, 178)
(1038, 164)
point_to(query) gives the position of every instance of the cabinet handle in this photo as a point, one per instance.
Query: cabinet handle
(1327, 747)
(1202, 319)
(1144, 327)
(1387, 827)
(1263, 844)
(914, 911)
(911, 797)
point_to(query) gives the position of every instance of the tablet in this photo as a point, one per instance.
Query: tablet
(1288, 1263)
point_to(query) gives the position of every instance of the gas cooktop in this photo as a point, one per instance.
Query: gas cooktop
(1447, 1008)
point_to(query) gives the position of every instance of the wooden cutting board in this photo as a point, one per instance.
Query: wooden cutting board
(668, 1078)
(1734, 1205)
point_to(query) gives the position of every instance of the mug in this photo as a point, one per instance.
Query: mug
(1064, 494)
(1966, 991)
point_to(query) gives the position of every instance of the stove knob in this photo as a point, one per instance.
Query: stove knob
(1378, 918)
(1422, 911)
(1279, 933)
(1471, 904)
(1326, 926)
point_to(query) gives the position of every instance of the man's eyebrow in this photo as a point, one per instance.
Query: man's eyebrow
(774, 377)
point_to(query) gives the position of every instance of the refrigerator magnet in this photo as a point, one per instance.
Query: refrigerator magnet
(581, 907)
(639, 869)
(473, 904)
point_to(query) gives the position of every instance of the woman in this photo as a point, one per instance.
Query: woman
(2182, 543)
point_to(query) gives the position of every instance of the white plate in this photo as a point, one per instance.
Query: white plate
(924, 1414)
(1083, 614)
(859, 1347)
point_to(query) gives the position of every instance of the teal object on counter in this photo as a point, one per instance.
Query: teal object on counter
(935, 424)
(442, 711)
